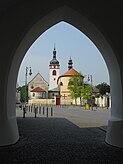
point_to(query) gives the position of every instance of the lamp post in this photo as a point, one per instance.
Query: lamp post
(26, 74)
(90, 79)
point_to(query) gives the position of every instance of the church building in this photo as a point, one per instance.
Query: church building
(63, 81)
(57, 89)
(38, 88)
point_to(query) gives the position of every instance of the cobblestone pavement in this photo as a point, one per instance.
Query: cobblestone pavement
(58, 140)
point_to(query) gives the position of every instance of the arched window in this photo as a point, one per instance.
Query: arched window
(54, 72)
(61, 84)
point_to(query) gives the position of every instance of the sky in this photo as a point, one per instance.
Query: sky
(69, 42)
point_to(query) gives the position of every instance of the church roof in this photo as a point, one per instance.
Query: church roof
(38, 89)
(71, 72)
(38, 74)
(54, 61)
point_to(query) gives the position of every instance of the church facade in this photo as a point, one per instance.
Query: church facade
(63, 81)
(38, 88)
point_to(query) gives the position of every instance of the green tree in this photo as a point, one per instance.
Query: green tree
(23, 93)
(103, 88)
(75, 86)
(86, 92)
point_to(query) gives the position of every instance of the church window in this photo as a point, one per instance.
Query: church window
(32, 87)
(33, 95)
(54, 72)
(61, 84)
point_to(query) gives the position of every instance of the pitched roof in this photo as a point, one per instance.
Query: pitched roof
(38, 74)
(94, 89)
(38, 89)
(71, 72)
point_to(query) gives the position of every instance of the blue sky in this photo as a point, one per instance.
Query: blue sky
(69, 42)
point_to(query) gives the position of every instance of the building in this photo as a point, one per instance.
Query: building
(54, 67)
(38, 88)
(63, 81)
(53, 71)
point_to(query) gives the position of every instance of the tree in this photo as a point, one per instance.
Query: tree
(23, 93)
(103, 88)
(75, 86)
(86, 92)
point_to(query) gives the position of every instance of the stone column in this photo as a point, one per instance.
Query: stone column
(114, 135)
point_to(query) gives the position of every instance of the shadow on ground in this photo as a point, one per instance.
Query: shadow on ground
(57, 140)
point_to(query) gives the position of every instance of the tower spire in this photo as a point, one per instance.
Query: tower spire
(70, 64)
(54, 46)
(54, 60)
(54, 71)
(54, 52)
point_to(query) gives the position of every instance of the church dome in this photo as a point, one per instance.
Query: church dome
(54, 61)
(69, 73)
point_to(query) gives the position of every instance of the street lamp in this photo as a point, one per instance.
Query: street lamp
(26, 74)
(90, 79)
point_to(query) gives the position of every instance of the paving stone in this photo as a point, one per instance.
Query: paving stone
(59, 141)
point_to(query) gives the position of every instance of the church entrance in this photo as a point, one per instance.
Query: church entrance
(57, 101)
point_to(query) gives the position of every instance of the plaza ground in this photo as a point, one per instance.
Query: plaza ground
(71, 135)
(77, 115)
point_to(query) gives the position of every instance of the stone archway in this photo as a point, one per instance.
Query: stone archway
(7, 119)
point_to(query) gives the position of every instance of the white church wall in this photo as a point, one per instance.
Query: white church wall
(53, 78)
(42, 101)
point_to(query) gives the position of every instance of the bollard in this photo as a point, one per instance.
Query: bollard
(35, 110)
(29, 108)
(24, 111)
(51, 111)
(43, 110)
(47, 111)
(40, 110)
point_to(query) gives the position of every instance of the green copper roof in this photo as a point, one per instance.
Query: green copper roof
(55, 89)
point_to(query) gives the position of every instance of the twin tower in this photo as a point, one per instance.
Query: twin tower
(54, 67)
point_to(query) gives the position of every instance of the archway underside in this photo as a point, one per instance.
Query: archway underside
(114, 134)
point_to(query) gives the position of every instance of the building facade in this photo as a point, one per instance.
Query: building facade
(38, 88)
(63, 81)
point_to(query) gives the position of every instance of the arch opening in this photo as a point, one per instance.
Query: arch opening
(72, 17)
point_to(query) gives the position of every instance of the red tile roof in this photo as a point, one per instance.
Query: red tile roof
(38, 89)
(71, 72)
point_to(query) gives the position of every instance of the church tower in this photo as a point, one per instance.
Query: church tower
(54, 71)
(70, 64)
